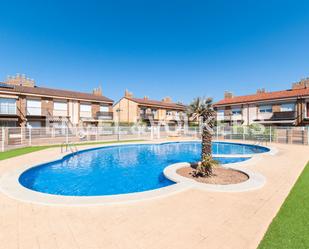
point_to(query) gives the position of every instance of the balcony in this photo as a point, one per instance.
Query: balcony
(288, 117)
(59, 113)
(230, 118)
(104, 115)
(175, 116)
(278, 116)
(146, 116)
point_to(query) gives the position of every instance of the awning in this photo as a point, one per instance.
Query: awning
(275, 122)
(90, 120)
(57, 119)
(31, 118)
(8, 119)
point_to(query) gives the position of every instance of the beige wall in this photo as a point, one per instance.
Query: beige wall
(73, 111)
(253, 110)
(129, 111)
(161, 114)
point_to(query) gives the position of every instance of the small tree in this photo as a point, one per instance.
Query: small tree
(202, 109)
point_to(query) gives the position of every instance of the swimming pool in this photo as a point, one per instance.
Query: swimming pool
(121, 169)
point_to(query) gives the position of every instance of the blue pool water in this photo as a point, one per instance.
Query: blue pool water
(121, 169)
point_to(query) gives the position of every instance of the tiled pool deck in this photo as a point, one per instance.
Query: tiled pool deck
(192, 218)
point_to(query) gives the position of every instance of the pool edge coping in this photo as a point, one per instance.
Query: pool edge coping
(10, 185)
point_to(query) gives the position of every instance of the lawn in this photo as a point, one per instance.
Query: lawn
(290, 228)
(26, 150)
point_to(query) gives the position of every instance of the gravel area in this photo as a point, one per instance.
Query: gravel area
(220, 175)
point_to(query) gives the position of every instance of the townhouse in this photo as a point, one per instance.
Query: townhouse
(23, 104)
(281, 108)
(133, 110)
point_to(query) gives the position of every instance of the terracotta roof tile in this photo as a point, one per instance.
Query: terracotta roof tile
(54, 93)
(156, 103)
(264, 96)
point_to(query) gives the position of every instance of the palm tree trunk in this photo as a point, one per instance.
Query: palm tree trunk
(206, 142)
(206, 150)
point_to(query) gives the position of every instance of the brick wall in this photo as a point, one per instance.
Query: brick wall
(47, 106)
(276, 108)
(95, 107)
(21, 110)
(227, 111)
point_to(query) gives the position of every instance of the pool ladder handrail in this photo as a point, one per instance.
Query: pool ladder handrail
(260, 141)
(72, 146)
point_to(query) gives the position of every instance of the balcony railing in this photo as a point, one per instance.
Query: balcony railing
(230, 117)
(147, 116)
(277, 116)
(104, 115)
(174, 116)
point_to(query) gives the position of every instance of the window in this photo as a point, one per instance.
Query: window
(220, 113)
(33, 107)
(85, 108)
(236, 111)
(34, 124)
(142, 111)
(85, 111)
(154, 111)
(60, 106)
(7, 106)
(287, 107)
(104, 108)
(265, 109)
(8, 123)
(169, 113)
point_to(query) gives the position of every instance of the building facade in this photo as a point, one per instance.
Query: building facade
(134, 110)
(22, 104)
(282, 108)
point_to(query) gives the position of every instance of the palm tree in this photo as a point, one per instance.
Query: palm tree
(202, 109)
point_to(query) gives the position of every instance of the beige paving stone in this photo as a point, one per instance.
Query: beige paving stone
(188, 219)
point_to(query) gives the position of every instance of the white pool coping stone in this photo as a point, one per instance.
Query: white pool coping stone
(255, 180)
(9, 183)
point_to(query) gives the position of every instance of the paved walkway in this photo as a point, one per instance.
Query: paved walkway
(190, 219)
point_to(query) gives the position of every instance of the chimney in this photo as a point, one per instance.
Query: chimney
(228, 95)
(128, 94)
(20, 80)
(302, 84)
(167, 100)
(260, 90)
(146, 97)
(97, 91)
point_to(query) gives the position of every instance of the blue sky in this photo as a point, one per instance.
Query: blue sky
(157, 48)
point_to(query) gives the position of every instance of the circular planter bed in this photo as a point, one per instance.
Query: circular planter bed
(222, 176)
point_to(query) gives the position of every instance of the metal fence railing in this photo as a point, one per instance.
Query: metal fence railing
(269, 134)
(17, 137)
